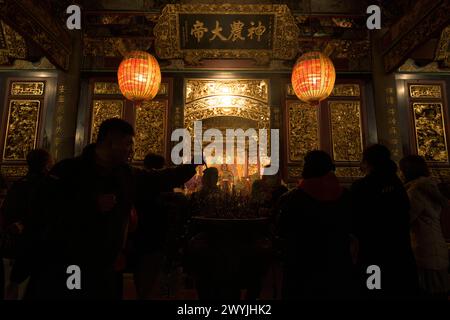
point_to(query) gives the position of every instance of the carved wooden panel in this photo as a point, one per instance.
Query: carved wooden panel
(112, 88)
(14, 171)
(346, 131)
(21, 129)
(303, 130)
(294, 172)
(339, 90)
(428, 114)
(244, 98)
(106, 88)
(27, 88)
(353, 172)
(425, 91)
(151, 128)
(23, 120)
(430, 132)
(102, 110)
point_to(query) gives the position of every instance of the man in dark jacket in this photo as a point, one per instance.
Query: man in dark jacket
(314, 223)
(83, 218)
(381, 224)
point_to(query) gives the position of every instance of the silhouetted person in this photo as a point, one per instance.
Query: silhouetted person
(381, 224)
(82, 220)
(314, 223)
(429, 245)
(155, 187)
(266, 192)
(204, 202)
(20, 200)
(20, 197)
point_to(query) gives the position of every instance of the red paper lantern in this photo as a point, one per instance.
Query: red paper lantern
(139, 76)
(313, 77)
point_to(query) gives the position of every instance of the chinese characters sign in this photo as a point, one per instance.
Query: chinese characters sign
(217, 31)
(194, 32)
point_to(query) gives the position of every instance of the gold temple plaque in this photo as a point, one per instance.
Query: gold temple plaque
(102, 110)
(221, 31)
(431, 137)
(27, 88)
(346, 131)
(21, 130)
(425, 91)
(151, 125)
(303, 131)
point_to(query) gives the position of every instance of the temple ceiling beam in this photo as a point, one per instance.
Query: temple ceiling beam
(35, 22)
(425, 20)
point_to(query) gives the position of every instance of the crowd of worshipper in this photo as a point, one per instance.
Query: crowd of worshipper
(317, 239)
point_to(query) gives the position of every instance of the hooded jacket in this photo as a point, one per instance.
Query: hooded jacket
(429, 245)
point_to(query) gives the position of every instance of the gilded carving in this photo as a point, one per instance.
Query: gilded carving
(14, 171)
(112, 88)
(56, 43)
(113, 47)
(346, 133)
(346, 90)
(239, 98)
(12, 45)
(431, 23)
(255, 89)
(59, 117)
(151, 125)
(21, 130)
(303, 132)
(443, 48)
(295, 172)
(2, 38)
(425, 91)
(104, 109)
(430, 131)
(106, 88)
(167, 33)
(339, 90)
(443, 174)
(249, 109)
(27, 88)
(410, 66)
(163, 89)
(349, 172)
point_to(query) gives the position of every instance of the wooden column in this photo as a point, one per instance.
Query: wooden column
(67, 96)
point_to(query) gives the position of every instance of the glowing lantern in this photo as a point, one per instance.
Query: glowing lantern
(139, 76)
(313, 77)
